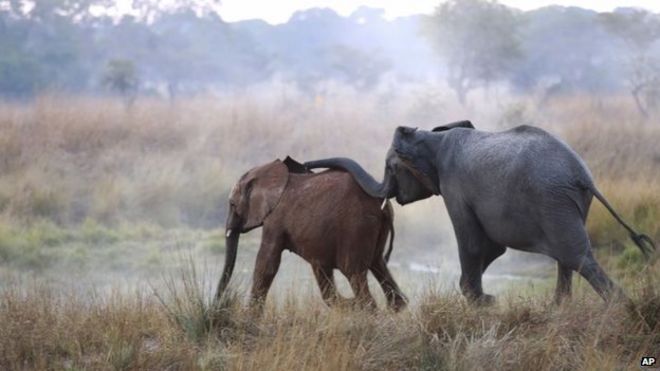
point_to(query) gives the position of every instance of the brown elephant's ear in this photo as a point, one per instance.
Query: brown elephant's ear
(294, 166)
(266, 186)
(458, 124)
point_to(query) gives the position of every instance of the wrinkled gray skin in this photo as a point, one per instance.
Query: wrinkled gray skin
(522, 188)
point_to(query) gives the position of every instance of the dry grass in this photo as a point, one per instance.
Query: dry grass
(71, 159)
(68, 159)
(45, 329)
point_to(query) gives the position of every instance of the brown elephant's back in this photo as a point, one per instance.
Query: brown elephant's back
(330, 220)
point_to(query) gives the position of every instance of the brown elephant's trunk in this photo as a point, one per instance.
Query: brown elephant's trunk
(232, 235)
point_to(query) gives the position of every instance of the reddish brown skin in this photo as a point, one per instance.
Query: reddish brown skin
(328, 220)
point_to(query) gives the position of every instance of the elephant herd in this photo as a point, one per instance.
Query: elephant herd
(521, 188)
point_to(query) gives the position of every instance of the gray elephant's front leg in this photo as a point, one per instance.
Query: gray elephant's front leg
(476, 251)
(471, 274)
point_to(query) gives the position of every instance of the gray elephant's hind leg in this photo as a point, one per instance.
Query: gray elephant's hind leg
(564, 283)
(572, 250)
(395, 298)
(325, 279)
(592, 272)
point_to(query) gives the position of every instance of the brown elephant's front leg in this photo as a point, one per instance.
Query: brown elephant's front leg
(265, 269)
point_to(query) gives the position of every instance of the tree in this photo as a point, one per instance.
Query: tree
(121, 77)
(639, 30)
(566, 51)
(152, 9)
(478, 39)
(360, 69)
(44, 9)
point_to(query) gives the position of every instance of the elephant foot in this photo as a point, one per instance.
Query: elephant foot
(483, 300)
(256, 308)
(356, 304)
(399, 304)
(337, 302)
(561, 299)
(363, 304)
(617, 295)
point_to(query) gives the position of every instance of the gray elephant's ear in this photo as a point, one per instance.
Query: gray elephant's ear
(405, 130)
(458, 124)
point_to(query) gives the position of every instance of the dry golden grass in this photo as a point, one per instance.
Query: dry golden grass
(623, 154)
(45, 329)
(69, 159)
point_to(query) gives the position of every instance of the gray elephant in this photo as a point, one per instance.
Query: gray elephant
(522, 188)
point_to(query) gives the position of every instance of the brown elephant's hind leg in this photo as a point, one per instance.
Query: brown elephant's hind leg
(360, 287)
(395, 298)
(325, 279)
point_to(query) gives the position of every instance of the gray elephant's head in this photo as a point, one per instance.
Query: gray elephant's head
(410, 162)
(410, 174)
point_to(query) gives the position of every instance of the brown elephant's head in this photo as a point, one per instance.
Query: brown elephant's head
(255, 195)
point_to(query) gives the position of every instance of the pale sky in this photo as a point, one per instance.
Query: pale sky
(279, 11)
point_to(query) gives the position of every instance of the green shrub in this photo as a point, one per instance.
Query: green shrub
(215, 243)
(94, 233)
(631, 258)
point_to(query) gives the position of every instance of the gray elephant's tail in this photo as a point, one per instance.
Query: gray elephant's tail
(644, 242)
(390, 219)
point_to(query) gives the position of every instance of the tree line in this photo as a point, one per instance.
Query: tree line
(79, 46)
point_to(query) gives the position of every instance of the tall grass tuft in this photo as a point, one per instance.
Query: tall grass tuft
(186, 300)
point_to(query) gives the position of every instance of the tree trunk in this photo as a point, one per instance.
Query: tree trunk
(638, 102)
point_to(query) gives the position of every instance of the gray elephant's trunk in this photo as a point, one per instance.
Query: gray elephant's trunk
(372, 187)
(232, 235)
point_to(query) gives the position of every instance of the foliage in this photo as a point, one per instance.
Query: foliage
(479, 41)
(640, 30)
(185, 48)
(121, 76)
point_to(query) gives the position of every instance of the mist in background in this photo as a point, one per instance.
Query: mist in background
(185, 48)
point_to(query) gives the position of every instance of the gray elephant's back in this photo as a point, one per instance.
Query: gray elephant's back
(526, 154)
(517, 179)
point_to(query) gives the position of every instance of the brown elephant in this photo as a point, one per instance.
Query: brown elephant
(326, 218)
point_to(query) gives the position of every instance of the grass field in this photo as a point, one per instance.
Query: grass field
(105, 211)
(41, 328)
